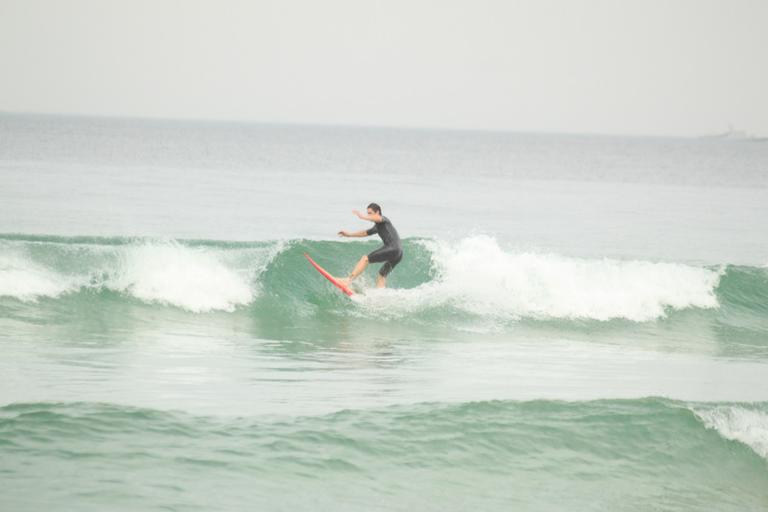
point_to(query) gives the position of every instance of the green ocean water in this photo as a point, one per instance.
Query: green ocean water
(578, 323)
(541, 455)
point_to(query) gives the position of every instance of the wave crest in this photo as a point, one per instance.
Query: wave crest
(473, 276)
(27, 281)
(738, 423)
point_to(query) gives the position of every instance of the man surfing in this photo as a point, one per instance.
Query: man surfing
(390, 253)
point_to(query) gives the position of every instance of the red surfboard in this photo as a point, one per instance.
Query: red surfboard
(337, 284)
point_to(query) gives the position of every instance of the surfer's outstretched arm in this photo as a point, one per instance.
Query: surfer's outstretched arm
(355, 234)
(372, 217)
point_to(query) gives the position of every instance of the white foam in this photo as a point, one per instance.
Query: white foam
(477, 276)
(197, 279)
(22, 279)
(742, 424)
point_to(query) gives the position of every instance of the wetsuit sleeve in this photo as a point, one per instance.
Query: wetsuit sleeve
(373, 230)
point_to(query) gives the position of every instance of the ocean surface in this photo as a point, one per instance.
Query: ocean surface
(578, 323)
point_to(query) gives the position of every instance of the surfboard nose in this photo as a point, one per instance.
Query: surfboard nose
(341, 286)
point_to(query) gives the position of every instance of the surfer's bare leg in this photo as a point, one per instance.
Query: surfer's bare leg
(381, 281)
(359, 268)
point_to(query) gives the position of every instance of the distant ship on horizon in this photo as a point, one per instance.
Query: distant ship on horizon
(732, 134)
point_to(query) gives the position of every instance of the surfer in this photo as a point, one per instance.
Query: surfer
(390, 253)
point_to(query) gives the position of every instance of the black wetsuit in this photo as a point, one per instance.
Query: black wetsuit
(392, 250)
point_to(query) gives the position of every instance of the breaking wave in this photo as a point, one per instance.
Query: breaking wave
(474, 277)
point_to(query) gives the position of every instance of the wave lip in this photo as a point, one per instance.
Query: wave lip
(194, 278)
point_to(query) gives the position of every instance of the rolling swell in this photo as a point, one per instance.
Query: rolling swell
(470, 278)
(709, 454)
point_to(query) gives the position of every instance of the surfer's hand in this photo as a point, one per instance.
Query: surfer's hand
(357, 213)
(343, 233)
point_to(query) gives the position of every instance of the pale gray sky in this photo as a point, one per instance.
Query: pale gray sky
(677, 67)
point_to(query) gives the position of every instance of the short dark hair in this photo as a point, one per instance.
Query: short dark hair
(375, 207)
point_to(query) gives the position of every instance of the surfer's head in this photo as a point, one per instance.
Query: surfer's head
(374, 208)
